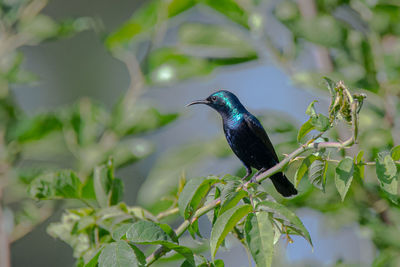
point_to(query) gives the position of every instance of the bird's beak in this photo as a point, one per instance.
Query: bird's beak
(198, 102)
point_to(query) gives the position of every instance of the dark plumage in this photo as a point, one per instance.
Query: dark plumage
(247, 138)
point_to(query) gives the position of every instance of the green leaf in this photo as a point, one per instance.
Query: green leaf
(145, 232)
(214, 215)
(117, 191)
(63, 184)
(230, 9)
(120, 254)
(176, 7)
(166, 228)
(194, 229)
(344, 176)
(215, 41)
(38, 27)
(305, 129)
(320, 122)
(129, 119)
(310, 111)
(331, 86)
(290, 216)
(317, 173)
(192, 195)
(359, 167)
(395, 152)
(184, 251)
(144, 19)
(34, 128)
(85, 120)
(119, 232)
(230, 196)
(93, 262)
(386, 172)
(225, 224)
(321, 29)
(359, 170)
(166, 65)
(359, 158)
(216, 263)
(260, 238)
(103, 182)
(303, 169)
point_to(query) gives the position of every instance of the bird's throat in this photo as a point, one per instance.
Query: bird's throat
(233, 118)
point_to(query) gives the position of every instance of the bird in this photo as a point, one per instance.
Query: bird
(247, 138)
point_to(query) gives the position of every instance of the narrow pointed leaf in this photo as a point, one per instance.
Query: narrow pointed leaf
(305, 129)
(231, 9)
(317, 174)
(166, 228)
(102, 185)
(225, 224)
(310, 111)
(303, 169)
(260, 238)
(359, 157)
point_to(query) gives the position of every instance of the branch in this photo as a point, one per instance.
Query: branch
(167, 213)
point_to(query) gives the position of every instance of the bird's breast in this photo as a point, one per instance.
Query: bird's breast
(247, 147)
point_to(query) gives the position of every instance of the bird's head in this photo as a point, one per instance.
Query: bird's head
(222, 101)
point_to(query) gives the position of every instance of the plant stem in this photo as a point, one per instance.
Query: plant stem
(167, 213)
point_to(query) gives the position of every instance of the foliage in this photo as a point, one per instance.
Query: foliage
(362, 50)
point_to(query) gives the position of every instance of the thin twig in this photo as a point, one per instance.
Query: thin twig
(167, 213)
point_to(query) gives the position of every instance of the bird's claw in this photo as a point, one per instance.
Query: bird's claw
(254, 180)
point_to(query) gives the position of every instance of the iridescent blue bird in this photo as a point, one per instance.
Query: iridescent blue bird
(247, 138)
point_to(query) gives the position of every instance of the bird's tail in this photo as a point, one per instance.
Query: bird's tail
(283, 185)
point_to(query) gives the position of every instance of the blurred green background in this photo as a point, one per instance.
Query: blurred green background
(272, 54)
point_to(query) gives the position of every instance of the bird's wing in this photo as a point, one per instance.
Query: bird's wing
(255, 126)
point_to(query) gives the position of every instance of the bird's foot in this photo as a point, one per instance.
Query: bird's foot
(248, 173)
(254, 178)
(245, 177)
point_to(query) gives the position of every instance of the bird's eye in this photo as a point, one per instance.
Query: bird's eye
(213, 98)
